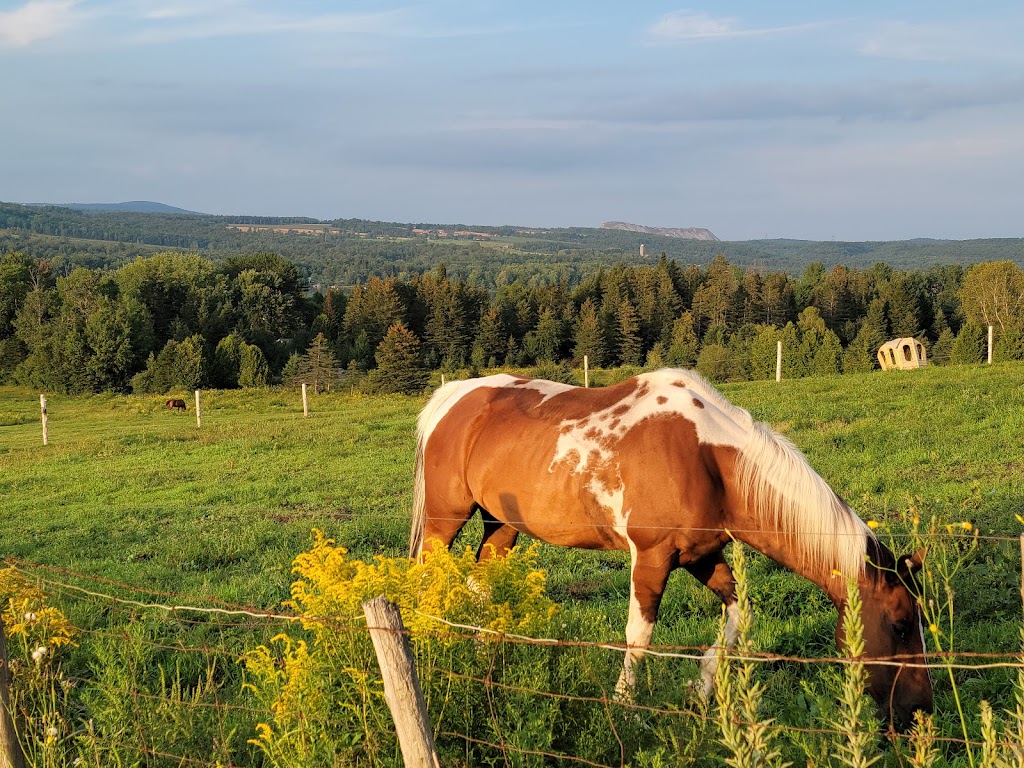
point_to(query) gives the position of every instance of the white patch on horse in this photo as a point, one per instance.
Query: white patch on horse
(547, 388)
(638, 635)
(709, 664)
(446, 397)
(596, 434)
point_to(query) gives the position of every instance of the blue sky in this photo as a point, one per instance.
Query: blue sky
(785, 119)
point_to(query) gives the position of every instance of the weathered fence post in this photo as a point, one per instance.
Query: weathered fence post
(42, 410)
(305, 402)
(778, 361)
(443, 382)
(586, 371)
(199, 413)
(10, 748)
(990, 345)
(401, 687)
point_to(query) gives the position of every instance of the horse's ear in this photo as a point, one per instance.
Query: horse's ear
(908, 565)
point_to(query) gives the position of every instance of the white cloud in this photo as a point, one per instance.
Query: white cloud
(36, 20)
(173, 23)
(684, 26)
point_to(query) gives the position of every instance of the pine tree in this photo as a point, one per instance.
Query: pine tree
(969, 346)
(876, 326)
(714, 303)
(682, 350)
(399, 362)
(630, 347)
(904, 298)
(545, 341)
(319, 366)
(490, 345)
(942, 350)
(589, 336)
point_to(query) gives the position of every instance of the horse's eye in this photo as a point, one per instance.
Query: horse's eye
(901, 628)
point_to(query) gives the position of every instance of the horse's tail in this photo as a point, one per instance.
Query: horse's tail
(419, 505)
(425, 424)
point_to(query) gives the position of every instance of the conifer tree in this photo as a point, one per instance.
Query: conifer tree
(942, 350)
(490, 345)
(969, 345)
(682, 350)
(545, 341)
(630, 347)
(319, 367)
(589, 336)
(399, 362)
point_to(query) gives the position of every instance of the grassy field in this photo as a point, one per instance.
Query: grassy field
(129, 491)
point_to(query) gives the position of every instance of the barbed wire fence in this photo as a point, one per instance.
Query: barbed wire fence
(214, 720)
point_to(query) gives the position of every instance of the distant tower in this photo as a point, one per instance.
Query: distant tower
(641, 250)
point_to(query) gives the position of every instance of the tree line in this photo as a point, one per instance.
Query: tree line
(176, 321)
(364, 248)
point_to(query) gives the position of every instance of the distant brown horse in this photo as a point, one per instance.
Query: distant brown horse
(176, 405)
(663, 466)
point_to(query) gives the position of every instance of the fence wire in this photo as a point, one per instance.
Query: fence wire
(238, 628)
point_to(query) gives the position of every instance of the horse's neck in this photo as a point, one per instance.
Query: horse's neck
(779, 547)
(783, 546)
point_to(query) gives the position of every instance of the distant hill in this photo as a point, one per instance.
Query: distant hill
(133, 206)
(348, 251)
(683, 233)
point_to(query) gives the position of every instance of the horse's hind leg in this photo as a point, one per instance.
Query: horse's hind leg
(498, 538)
(714, 573)
(444, 523)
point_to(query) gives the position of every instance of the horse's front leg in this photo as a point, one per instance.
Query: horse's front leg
(714, 573)
(648, 577)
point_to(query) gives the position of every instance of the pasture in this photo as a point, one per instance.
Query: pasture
(133, 493)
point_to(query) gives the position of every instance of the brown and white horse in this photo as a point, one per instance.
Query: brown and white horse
(663, 466)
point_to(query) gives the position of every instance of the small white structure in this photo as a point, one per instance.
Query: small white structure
(903, 354)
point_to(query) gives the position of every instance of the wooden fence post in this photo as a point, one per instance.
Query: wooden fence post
(199, 413)
(42, 409)
(586, 371)
(11, 755)
(305, 402)
(990, 345)
(401, 687)
(778, 362)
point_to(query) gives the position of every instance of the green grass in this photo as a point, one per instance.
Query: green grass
(132, 492)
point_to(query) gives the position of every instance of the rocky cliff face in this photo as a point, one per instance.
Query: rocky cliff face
(684, 233)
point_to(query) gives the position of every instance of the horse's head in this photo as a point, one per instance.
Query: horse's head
(893, 631)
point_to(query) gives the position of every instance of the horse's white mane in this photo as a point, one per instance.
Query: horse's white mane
(786, 494)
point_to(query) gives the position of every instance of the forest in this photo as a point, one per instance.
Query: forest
(344, 252)
(179, 321)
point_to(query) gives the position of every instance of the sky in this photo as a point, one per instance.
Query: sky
(810, 120)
